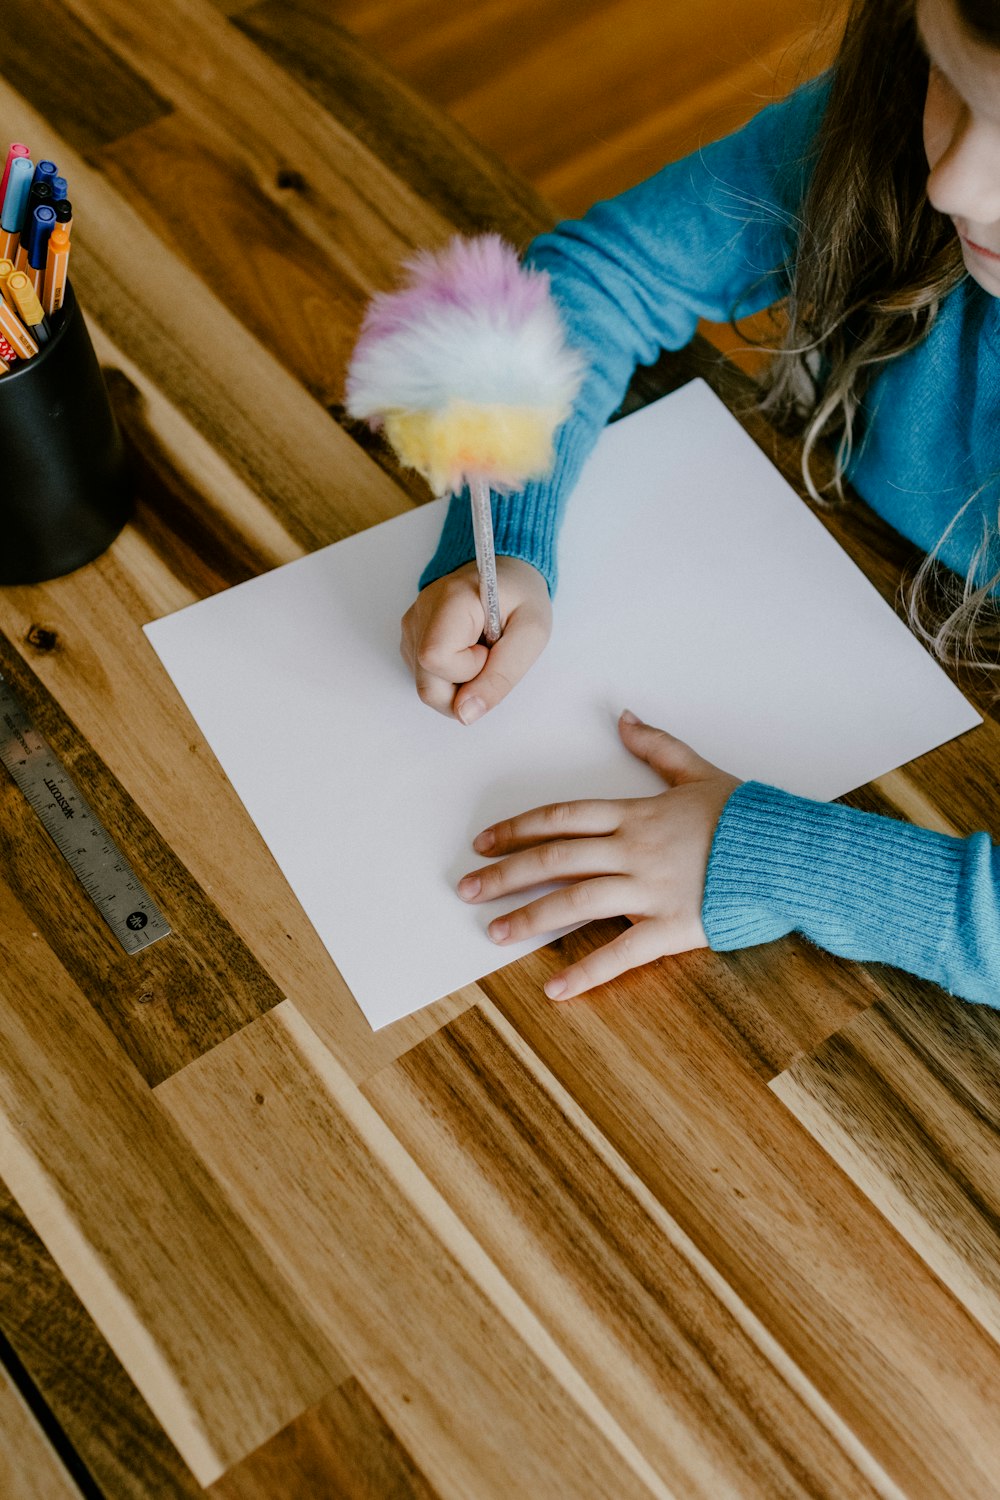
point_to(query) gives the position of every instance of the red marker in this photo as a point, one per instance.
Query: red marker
(16, 150)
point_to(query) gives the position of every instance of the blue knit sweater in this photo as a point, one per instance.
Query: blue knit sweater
(703, 237)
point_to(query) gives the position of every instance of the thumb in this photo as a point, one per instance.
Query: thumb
(670, 757)
(509, 659)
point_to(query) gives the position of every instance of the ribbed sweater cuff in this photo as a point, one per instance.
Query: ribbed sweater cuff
(860, 885)
(525, 524)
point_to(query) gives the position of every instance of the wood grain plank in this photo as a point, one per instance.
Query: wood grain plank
(556, 90)
(171, 1001)
(470, 188)
(611, 1277)
(871, 1327)
(113, 101)
(76, 1373)
(29, 1467)
(215, 1341)
(342, 1449)
(267, 125)
(285, 286)
(906, 1099)
(465, 1376)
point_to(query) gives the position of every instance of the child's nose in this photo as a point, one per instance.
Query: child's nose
(965, 180)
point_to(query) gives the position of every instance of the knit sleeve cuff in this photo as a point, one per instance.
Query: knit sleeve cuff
(863, 886)
(525, 524)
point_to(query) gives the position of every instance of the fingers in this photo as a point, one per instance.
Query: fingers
(440, 639)
(523, 640)
(556, 820)
(640, 944)
(576, 859)
(587, 901)
(674, 760)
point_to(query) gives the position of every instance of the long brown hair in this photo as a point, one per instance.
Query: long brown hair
(873, 262)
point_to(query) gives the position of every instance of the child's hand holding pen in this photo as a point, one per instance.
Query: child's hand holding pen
(441, 631)
(644, 858)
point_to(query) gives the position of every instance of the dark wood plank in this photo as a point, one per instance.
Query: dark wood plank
(341, 1449)
(77, 1374)
(86, 91)
(176, 999)
(907, 1100)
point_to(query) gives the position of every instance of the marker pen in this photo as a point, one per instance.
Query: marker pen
(16, 150)
(14, 330)
(60, 187)
(38, 193)
(36, 238)
(56, 269)
(6, 266)
(44, 172)
(28, 306)
(64, 213)
(15, 200)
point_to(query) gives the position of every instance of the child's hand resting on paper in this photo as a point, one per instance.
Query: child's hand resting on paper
(440, 642)
(644, 858)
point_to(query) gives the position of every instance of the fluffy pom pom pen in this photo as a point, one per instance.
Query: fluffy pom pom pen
(466, 370)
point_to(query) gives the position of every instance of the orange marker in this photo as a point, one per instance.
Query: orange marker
(25, 299)
(6, 266)
(15, 332)
(56, 264)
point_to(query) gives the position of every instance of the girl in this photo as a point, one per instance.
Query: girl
(891, 282)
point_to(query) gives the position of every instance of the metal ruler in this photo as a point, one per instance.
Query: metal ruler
(69, 821)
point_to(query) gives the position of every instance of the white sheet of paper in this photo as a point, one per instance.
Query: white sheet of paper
(696, 589)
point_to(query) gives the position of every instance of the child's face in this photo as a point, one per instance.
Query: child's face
(962, 136)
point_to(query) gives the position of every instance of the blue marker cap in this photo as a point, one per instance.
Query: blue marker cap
(45, 171)
(16, 196)
(59, 188)
(37, 238)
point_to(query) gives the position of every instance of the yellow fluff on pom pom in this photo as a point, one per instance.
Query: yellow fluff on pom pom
(505, 445)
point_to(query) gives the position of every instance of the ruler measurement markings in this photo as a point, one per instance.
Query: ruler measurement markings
(69, 820)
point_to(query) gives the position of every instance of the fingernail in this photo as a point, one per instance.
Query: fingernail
(485, 841)
(471, 709)
(469, 886)
(628, 717)
(499, 931)
(555, 987)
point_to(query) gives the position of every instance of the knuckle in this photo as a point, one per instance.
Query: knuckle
(555, 815)
(429, 659)
(578, 896)
(550, 856)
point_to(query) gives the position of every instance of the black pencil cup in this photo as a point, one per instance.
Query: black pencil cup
(64, 486)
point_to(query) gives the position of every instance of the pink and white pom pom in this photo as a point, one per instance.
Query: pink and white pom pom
(466, 368)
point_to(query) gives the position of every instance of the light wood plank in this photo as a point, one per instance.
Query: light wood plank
(30, 1469)
(618, 1285)
(468, 1379)
(906, 1099)
(212, 1337)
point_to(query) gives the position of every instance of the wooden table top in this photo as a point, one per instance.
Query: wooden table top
(728, 1227)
